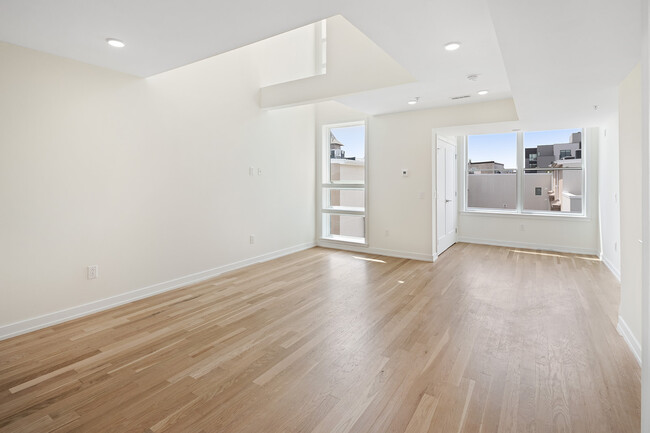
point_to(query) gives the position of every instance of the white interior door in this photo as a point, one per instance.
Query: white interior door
(446, 193)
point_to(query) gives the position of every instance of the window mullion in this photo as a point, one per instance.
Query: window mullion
(520, 172)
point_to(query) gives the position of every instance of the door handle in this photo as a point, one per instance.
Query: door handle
(447, 201)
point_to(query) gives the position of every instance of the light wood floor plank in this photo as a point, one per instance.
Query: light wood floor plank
(487, 340)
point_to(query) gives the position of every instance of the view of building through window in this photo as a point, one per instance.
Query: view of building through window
(553, 177)
(492, 171)
(344, 185)
(552, 171)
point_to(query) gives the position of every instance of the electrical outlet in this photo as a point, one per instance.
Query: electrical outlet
(251, 171)
(93, 272)
(252, 239)
(259, 171)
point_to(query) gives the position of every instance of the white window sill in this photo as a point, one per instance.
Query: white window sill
(345, 240)
(529, 215)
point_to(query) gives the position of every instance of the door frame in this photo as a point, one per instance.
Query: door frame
(434, 183)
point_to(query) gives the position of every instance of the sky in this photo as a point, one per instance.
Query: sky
(503, 147)
(353, 139)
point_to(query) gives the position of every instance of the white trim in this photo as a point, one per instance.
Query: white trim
(378, 251)
(343, 211)
(341, 240)
(449, 141)
(526, 214)
(324, 181)
(519, 179)
(28, 325)
(611, 267)
(529, 246)
(629, 338)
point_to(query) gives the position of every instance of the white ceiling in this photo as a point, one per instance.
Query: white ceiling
(415, 37)
(560, 57)
(565, 56)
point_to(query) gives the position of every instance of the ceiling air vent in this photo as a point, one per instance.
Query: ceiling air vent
(459, 97)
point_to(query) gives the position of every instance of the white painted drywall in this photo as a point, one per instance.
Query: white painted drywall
(403, 205)
(147, 178)
(609, 196)
(555, 233)
(630, 128)
(645, 212)
(354, 64)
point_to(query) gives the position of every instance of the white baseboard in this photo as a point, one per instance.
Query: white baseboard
(28, 325)
(611, 267)
(629, 338)
(378, 251)
(529, 246)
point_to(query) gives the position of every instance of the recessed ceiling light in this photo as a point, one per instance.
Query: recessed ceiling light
(482, 92)
(115, 43)
(452, 46)
(414, 100)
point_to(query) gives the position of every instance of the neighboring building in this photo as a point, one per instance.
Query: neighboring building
(531, 157)
(566, 195)
(336, 151)
(345, 170)
(490, 167)
(544, 155)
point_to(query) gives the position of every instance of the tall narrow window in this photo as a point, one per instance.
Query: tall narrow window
(343, 206)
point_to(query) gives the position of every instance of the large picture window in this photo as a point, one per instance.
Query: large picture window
(539, 172)
(343, 207)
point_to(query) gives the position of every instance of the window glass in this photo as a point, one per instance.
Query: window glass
(344, 227)
(344, 198)
(492, 171)
(557, 172)
(347, 154)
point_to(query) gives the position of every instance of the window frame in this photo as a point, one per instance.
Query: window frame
(521, 167)
(324, 184)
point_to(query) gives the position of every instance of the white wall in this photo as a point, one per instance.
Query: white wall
(609, 196)
(556, 233)
(402, 206)
(354, 64)
(630, 204)
(149, 179)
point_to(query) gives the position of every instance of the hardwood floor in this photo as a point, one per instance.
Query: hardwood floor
(486, 339)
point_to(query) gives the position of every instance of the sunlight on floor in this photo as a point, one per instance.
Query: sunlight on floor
(369, 260)
(593, 259)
